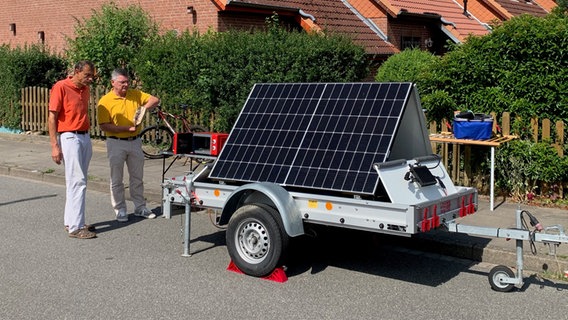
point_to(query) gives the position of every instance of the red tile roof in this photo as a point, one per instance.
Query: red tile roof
(547, 5)
(462, 25)
(518, 7)
(333, 16)
(486, 11)
(367, 21)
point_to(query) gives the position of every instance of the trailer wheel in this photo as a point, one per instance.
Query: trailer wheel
(495, 276)
(255, 240)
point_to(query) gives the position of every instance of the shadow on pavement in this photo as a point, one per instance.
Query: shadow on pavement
(28, 199)
(528, 281)
(370, 253)
(110, 225)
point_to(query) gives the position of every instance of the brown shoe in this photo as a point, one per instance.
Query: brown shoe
(82, 234)
(87, 226)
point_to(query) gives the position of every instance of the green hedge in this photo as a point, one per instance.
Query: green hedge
(215, 72)
(111, 37)
(523, 167)
(520, 67)
(22, 67)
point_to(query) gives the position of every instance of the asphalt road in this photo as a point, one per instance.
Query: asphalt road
(136, 271)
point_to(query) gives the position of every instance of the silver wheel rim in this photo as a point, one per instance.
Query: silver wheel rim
(253, 241)
(497, 277)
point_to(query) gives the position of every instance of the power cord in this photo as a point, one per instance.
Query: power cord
(534, 223)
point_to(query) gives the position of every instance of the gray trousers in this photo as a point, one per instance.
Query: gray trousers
(122, 152)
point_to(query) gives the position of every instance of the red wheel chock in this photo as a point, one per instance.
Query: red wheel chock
(278, 275)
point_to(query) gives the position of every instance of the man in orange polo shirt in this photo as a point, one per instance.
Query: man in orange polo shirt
(68, 124)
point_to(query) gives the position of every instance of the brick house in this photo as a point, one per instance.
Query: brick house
(383, 27)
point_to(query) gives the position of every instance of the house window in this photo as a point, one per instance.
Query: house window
(410, 42)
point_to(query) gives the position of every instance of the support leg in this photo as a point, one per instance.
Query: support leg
(187, 227)
(492, 181)
(519, 249)
(186, 230)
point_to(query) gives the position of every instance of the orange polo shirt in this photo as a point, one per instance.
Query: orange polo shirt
(72, 105)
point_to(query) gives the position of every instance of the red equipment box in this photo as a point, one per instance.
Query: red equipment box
(209, 143)
(183, 143)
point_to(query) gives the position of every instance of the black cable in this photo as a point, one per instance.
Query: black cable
(534, 222)
(442, 185)
(438, 164)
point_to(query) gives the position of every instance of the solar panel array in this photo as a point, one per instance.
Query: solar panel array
(314, 135)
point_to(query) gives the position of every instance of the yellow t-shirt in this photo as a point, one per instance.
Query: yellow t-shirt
(120, 111)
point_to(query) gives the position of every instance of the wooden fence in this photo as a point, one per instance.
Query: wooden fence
(454, 155)
(35, 102)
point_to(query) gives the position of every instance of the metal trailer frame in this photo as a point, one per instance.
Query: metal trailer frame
(411, 196)
(412, 193)
(297, 208)
(501, 277)
(416, 208)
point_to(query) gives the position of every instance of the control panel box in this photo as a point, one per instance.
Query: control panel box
(205, 143)
(183, 143)
(209, 143)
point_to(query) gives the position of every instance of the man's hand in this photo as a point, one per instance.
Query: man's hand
(56, 154)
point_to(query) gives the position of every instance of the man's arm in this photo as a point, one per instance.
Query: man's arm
(111, 127)
(105, 120)
(56, 153)
(152, 102)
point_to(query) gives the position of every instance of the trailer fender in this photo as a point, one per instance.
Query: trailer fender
(270, 194)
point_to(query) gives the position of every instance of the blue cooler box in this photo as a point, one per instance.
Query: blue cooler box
(478, 128)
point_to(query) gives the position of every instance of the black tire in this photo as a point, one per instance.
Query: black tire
(256, 241)
(499, 272)
(156, 140)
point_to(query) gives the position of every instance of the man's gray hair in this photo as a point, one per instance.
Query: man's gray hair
(118, 72)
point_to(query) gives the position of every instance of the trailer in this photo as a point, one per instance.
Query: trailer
(350, 155)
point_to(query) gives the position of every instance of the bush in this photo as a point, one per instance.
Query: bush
(111, 38)
(215, 72)
(22, 67)
(521, 164)
(520, 67)
(411, 65)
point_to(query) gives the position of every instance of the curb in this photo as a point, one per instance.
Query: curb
(542, 262)
(99, 186)
(447, 244)
(436, 241)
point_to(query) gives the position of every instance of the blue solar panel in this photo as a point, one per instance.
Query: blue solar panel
(314, 135)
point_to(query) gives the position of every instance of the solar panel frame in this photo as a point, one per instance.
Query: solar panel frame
(314, 135)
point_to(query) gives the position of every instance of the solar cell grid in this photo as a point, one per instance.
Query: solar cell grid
(314, 135)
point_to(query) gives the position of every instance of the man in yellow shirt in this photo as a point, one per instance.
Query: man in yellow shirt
(116, 112)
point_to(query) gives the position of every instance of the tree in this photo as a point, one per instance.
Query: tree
(21, 67)
(412, 65)
(215, 72)
(111, 38)
(520, 67)
(415, 65)
(561, 7)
